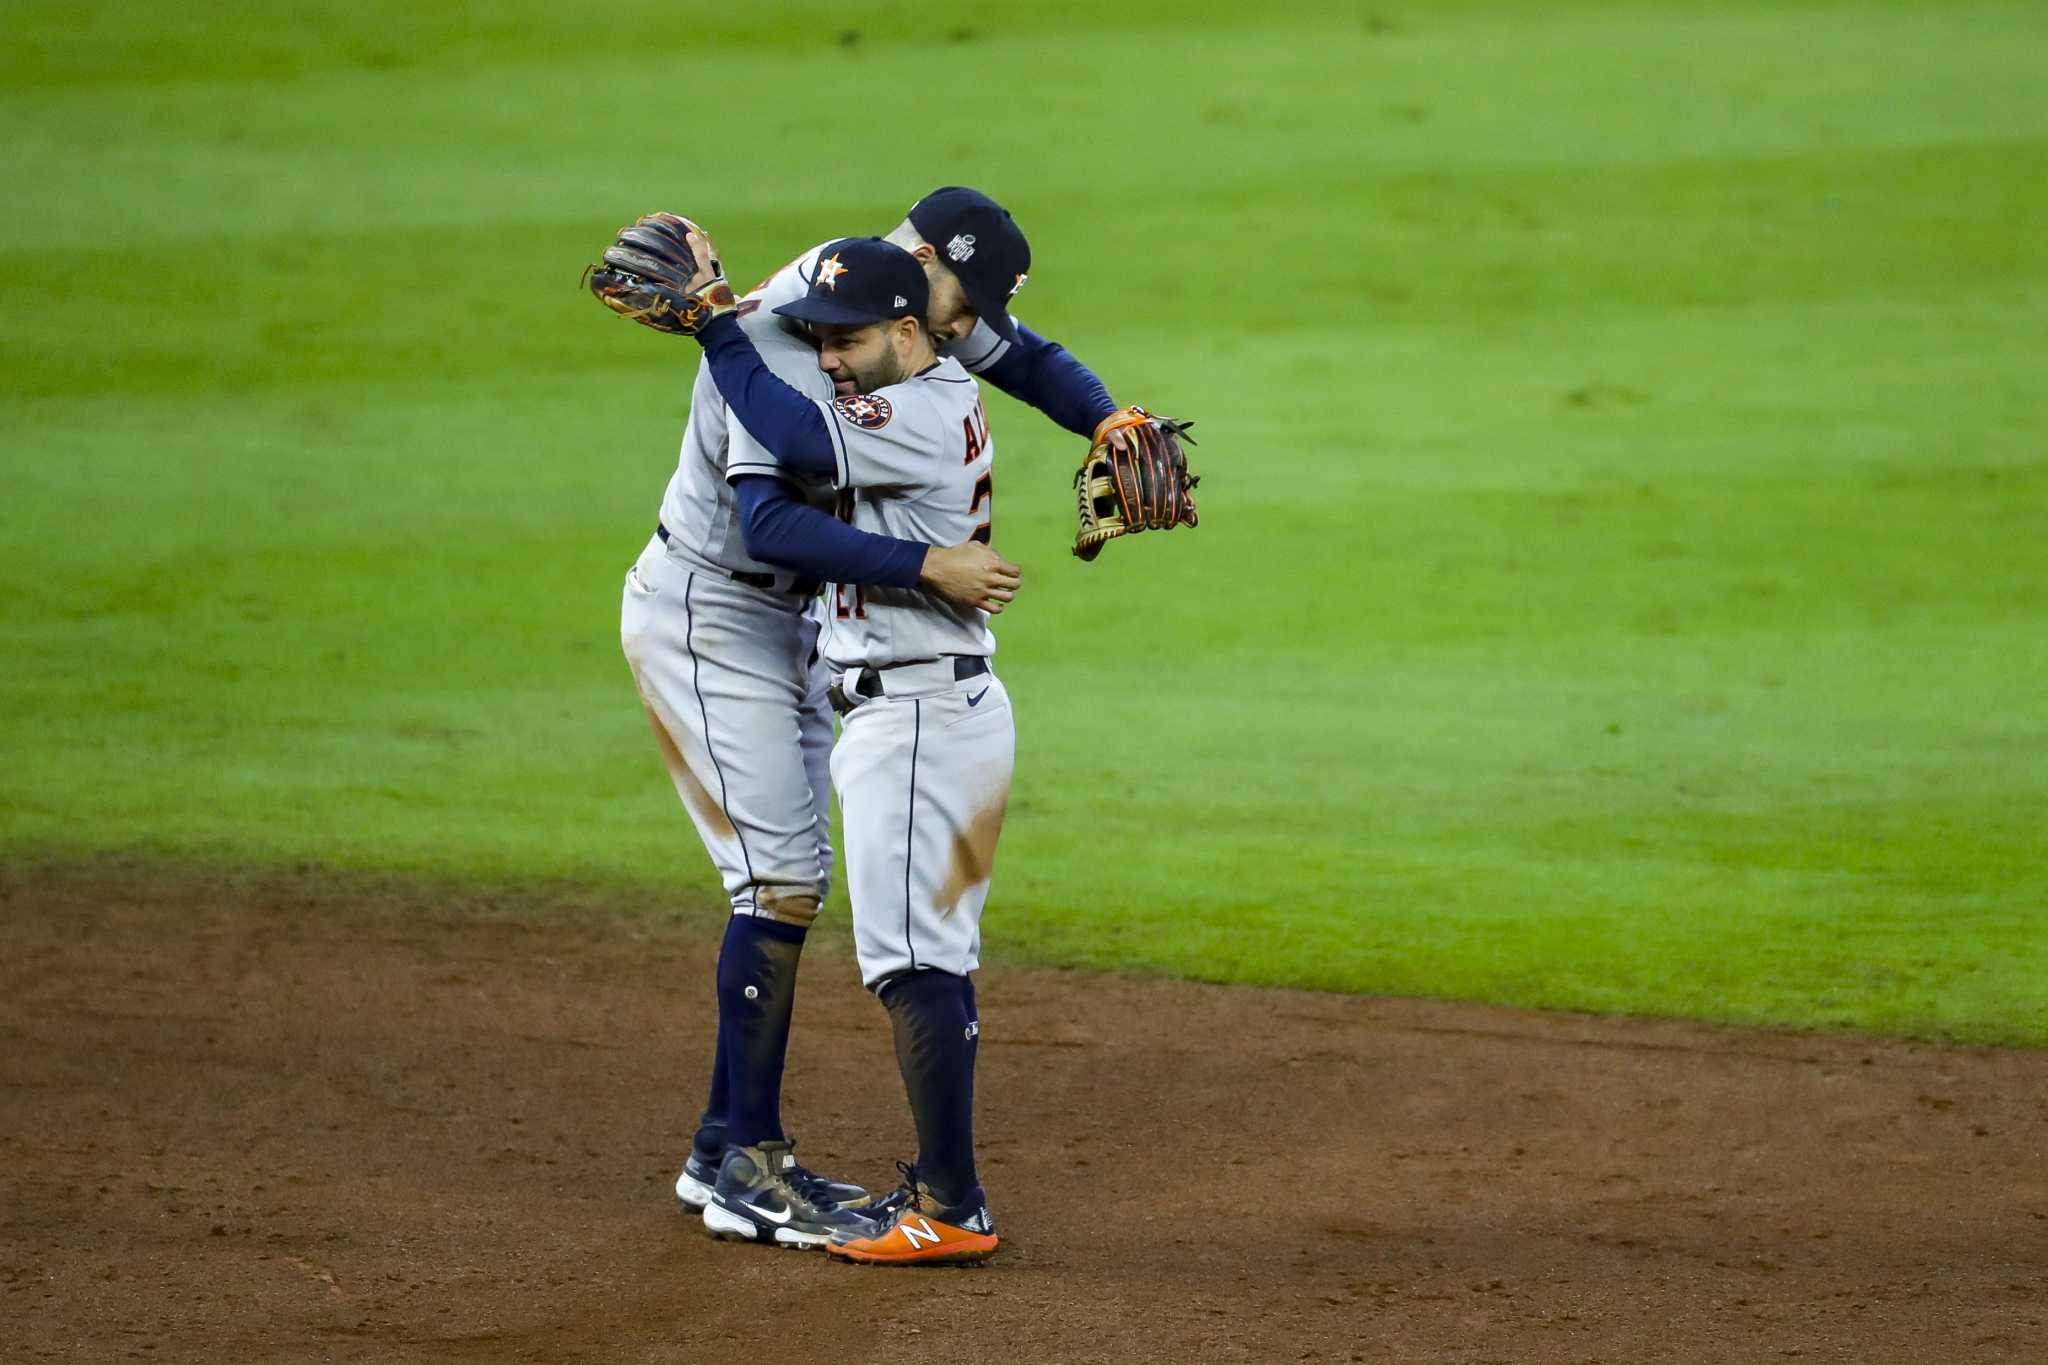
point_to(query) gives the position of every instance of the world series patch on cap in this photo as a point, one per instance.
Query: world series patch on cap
(980, 242)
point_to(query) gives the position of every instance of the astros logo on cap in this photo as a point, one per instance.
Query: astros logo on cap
(829, 271)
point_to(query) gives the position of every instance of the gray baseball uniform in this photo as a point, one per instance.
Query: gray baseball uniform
(926, 751)
(724, 649)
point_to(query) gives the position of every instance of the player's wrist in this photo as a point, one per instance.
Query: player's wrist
(927, 572)
(1117, 421)
(723, 326)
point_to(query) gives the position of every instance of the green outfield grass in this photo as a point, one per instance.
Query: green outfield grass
(1623, 578)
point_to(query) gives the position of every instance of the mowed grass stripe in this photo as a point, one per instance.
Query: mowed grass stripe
(287, 308)
(1322, 101)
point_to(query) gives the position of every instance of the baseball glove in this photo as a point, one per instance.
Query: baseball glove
(1140, 483)
(647, 273)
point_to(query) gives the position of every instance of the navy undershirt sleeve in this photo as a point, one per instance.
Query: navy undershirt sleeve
(779, 528)
(787, 424)
(1044, 374)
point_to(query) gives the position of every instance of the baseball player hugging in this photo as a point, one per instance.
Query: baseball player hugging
(724, 649)
(834, 436)
(928, 741)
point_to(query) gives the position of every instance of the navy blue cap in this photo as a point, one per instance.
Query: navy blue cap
(860, 280)
(977, 240)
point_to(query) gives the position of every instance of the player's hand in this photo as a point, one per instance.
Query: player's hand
(710, 269)
(663, 272)
(971, 575)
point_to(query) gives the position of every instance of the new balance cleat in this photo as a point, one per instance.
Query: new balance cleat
(759, 1198)
(917, 1229)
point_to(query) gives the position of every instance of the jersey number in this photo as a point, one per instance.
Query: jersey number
(975, 427)
(984, 496)
(845, 606)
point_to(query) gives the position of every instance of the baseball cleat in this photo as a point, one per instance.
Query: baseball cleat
(699, 1175)
(883, 1208)
(826, 1192)
(693, 1186)
(758, 1198)
(916, 1229)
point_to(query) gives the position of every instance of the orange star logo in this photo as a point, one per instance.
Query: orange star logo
(829, 271)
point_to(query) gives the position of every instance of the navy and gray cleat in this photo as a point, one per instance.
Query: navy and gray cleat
(693, 1186)
(882, 1207)
(825, 1192)
(700, 1174)
(758, 1197)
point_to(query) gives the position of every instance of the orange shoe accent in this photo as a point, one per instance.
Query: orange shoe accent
(917, 1239)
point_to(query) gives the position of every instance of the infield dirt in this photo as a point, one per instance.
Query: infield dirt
(290, 1116)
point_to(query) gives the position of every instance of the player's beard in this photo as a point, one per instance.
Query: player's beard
(889, 368)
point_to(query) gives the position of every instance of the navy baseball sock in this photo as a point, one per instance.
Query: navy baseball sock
(756, 991)
(709, 1141)
(936, 1030)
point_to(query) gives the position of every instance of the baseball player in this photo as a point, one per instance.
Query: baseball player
(723, 641)
(925, 756)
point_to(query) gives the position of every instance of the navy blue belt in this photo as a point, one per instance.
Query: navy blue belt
(802, 587)
(869, 683)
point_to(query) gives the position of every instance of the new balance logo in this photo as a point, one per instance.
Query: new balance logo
(918, 1234)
